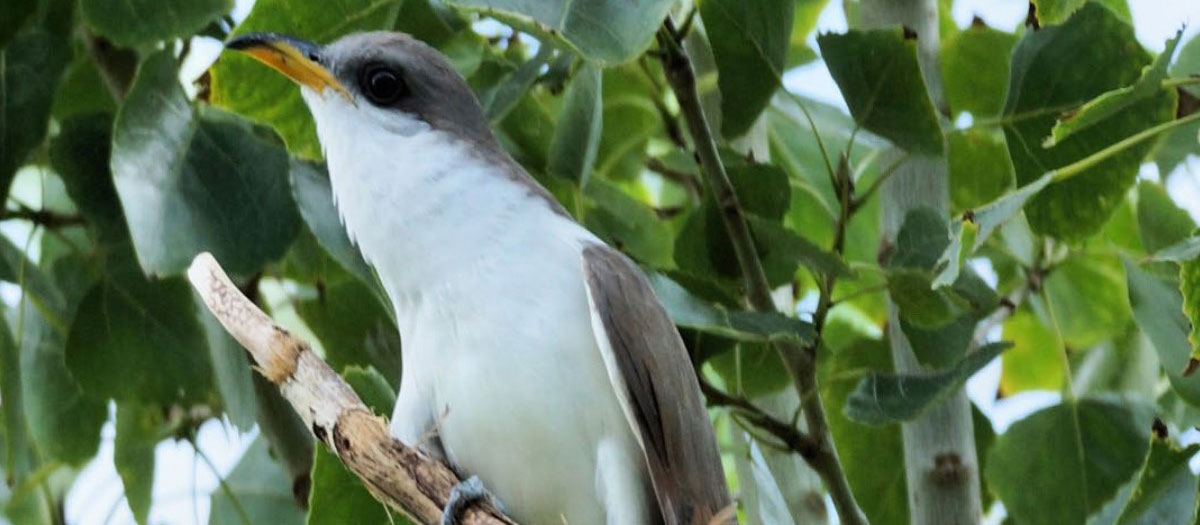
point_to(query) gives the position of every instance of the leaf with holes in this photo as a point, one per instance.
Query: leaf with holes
(1056, 69)
(1113, 102)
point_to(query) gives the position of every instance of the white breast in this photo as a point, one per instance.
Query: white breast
(489, 295)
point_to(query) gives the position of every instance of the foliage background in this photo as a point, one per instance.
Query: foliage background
(1100, 312)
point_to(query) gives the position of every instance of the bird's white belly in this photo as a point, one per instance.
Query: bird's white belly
(521, 396)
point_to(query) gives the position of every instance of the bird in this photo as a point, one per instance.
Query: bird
(537, 355)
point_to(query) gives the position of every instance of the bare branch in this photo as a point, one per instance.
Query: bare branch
(397, 475)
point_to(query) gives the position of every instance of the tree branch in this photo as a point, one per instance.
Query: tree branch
(684, 179)
(396, 474)
(800, 362)
(45, 218)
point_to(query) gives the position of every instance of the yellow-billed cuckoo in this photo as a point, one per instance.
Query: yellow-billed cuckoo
(541, 355)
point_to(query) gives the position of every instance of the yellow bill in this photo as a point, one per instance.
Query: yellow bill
(297, 59)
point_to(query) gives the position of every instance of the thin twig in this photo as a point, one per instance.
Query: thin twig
(859, 200)
(682, 178)
(45, 218)
(799, 362)
(792, 437)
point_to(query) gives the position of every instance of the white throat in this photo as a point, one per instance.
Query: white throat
(421, 204)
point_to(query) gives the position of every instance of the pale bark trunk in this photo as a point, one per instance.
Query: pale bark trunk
(939, 446)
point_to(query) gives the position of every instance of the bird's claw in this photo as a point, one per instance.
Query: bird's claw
(462, 496)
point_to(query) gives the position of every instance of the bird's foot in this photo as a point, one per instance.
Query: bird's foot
(464, 495)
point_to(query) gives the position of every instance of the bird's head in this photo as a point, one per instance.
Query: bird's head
(379, 82)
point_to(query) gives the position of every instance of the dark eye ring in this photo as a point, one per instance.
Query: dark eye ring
(382, 84)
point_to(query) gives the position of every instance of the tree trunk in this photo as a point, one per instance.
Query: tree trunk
(939, 446)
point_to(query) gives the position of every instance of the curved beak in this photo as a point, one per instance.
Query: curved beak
(297, 59)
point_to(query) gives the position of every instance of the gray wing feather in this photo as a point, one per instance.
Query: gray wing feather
(661, 394)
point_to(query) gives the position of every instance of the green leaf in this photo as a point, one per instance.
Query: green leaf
(1158, 310)
(985, 437)
(945, 345)
(231, 371)
(193, 180)
(890, 398)
(807, 12)
(603, 31)
(631, 119)
(337, 496)
(1035, 361)
(922, 237)
(373, 388)
(1062, 463)
(80, 156)
(880, 79)
(133, 23)
(1188, 62)
(64, 422)
(259, 491)
(1161, 222)
(750, 42)
(82, 91)
(18, 459)
(1165, 490)
(975, 70)
(1189, 286)
(314, 196)
(1051, 12)
(752, 369)
(139, 428)
(980, 169)
(429, 22)
(244, 86)
(629, 224)
(577, 135)
(936, 319)
(1055, 69)
(919, 303)
(690, 312)
(1179, 252)
(783, 249)
(873, 456)
(30, 67)
(762, 189)
(1087, 296)
(985, 221)
(13, 14)
(498, 102)
(349, 322)
(764, 193)
(1180, 143)
(1114, 101)
(134, 339)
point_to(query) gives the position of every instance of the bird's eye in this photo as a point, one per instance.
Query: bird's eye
(383, 85)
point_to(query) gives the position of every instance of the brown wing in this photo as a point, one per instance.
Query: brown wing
(649, 366)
